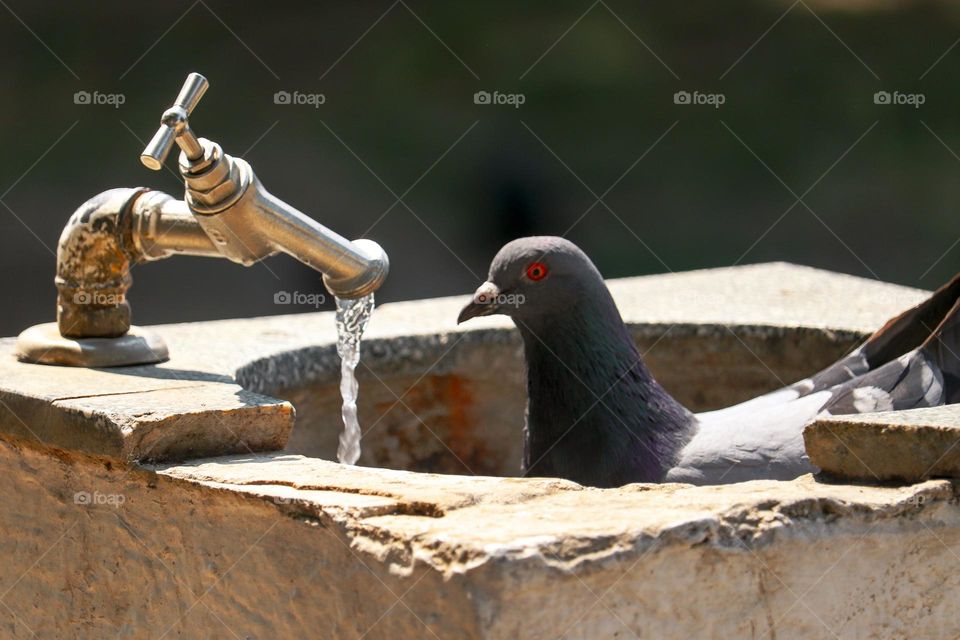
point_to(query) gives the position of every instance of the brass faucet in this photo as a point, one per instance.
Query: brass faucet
(225, 213)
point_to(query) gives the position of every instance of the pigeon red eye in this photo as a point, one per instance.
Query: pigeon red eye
(537, 271)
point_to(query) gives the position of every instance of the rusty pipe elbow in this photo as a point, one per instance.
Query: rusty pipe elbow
(93, 267)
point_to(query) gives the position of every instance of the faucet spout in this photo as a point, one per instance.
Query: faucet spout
(248, 224)
(350, 269)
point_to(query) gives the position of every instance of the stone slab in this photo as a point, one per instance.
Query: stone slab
(903, 446)
(138, 412)
(248, 546)
(482, 516)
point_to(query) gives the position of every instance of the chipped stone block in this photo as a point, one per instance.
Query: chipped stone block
(116, 413)
(903, 446)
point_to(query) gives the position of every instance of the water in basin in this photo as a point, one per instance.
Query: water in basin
(454, 403)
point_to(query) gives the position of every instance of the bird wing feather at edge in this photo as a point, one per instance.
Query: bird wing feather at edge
(747, 441)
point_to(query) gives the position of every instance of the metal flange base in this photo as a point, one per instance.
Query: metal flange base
(43, 344)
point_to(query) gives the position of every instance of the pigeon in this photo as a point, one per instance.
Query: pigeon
(595, 414)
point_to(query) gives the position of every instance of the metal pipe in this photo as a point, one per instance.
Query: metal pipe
(164, 226)
(102, 241)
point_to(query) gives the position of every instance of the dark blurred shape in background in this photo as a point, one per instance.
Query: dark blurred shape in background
(836, 144)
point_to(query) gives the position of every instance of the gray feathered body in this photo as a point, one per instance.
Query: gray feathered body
(598, 417)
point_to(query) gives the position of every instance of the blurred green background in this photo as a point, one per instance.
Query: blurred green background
(695, 186)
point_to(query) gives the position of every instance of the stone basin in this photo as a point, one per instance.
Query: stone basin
(186, 500)
(446, 399)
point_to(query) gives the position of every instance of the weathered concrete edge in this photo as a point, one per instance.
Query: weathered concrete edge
(70, 422)
(749, 528)
(408, 354)
(704, 302)
(479, 598)
(391, 532)
(68, 473)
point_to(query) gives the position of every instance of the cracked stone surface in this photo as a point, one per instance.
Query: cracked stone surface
(281, 546)
(453, 522)
(903, 446)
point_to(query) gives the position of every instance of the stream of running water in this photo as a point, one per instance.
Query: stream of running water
(352, 318)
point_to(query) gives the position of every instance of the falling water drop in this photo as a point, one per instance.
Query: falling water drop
(352, 318)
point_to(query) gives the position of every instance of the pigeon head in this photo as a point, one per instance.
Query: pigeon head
(533, 279)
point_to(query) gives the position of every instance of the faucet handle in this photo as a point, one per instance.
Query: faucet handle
(174, 126)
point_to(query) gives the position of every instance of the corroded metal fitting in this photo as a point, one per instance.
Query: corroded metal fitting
(93, 267)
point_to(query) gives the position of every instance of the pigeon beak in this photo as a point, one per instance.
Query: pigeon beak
(484, 303)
